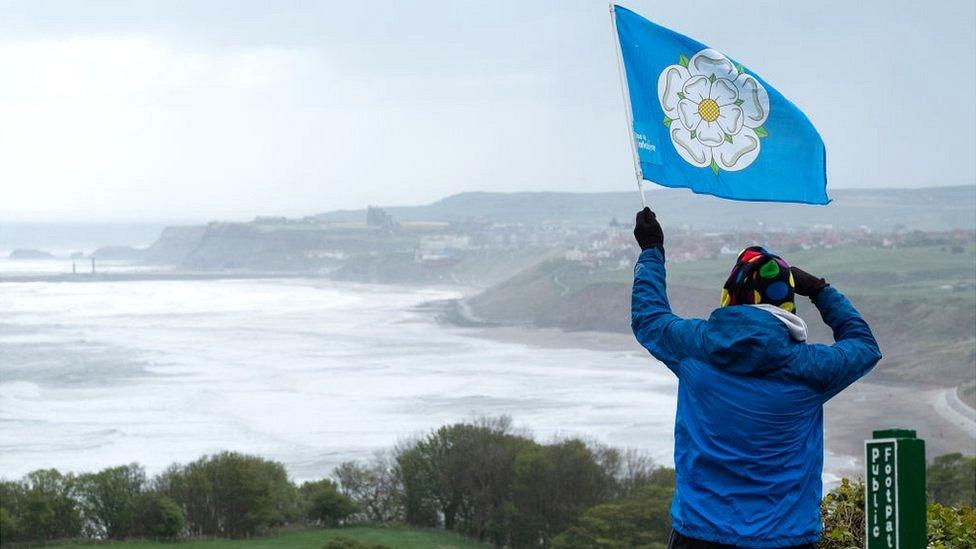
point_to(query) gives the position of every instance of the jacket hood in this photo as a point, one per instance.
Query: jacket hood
(796, 325)
(748, 340)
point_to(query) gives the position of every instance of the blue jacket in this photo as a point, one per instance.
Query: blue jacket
(748, 435)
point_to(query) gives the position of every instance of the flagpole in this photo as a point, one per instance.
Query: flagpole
(627, 110)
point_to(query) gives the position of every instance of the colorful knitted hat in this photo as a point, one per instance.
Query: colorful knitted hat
(759, 277)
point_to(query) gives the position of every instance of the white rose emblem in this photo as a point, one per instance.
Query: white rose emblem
(713, 110)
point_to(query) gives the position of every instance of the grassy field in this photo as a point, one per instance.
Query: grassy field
(909, 272)
(397, 537)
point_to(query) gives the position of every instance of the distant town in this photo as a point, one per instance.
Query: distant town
(440, 244)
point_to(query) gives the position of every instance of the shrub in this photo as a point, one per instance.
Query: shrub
(324, 505)
(344, 542)
(843, 516)
(160, 517)
(950, 528)
(641, 519)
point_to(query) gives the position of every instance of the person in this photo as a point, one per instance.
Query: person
(748, 433)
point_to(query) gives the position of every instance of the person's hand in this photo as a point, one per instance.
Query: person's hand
(648, 231)
(807, 284)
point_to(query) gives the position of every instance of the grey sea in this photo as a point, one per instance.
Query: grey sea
(305, 371)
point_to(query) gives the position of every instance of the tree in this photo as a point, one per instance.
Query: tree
(231, 495)
(554, 484)
(374, 488)
(191, 489)
(487, 452)
(637, 470)
(416, 475)
(109, 500)
(43, 505)
(461, 476)
(642, 519)
(9, 527)
(487, 482)
(951, 480)
(324, 505)
(159, 517)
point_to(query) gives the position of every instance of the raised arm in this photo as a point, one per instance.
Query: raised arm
(667, 337)
(832, 368)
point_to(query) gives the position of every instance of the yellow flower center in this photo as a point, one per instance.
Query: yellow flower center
(708, 109)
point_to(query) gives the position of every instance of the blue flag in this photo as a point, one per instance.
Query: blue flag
(704, 122)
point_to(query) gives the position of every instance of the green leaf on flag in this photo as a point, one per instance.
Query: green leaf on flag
(714, 167)
(728, 138)
(739, 102)
(683, 61)
(711, 78)
(667, 121)
(739, 68)
(681, 95)
(694, 134)
(761, 132)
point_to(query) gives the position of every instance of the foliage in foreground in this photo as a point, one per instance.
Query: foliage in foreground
(225, 495)
(640, 519)
(483, 480)
(843, 513)
(488, 482)
(345, 542)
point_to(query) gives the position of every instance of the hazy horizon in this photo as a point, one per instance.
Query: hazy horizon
(52, 219)
(182, 111)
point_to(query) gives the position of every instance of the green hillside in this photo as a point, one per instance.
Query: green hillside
(392, 536)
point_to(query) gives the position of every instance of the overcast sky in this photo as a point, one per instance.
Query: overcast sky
(177, 110)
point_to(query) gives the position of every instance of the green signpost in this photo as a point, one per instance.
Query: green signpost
(894, 503)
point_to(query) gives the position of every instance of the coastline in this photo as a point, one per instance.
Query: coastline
(145, 276)
(849, 418)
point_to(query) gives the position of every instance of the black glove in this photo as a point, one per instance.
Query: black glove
(648, 231)
(806, 283)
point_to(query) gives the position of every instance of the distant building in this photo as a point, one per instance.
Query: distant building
(575, 255)
(443, 243)
(377, 217)
(270, 220)
(441, 249)
(326, 254)
(616, 226)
